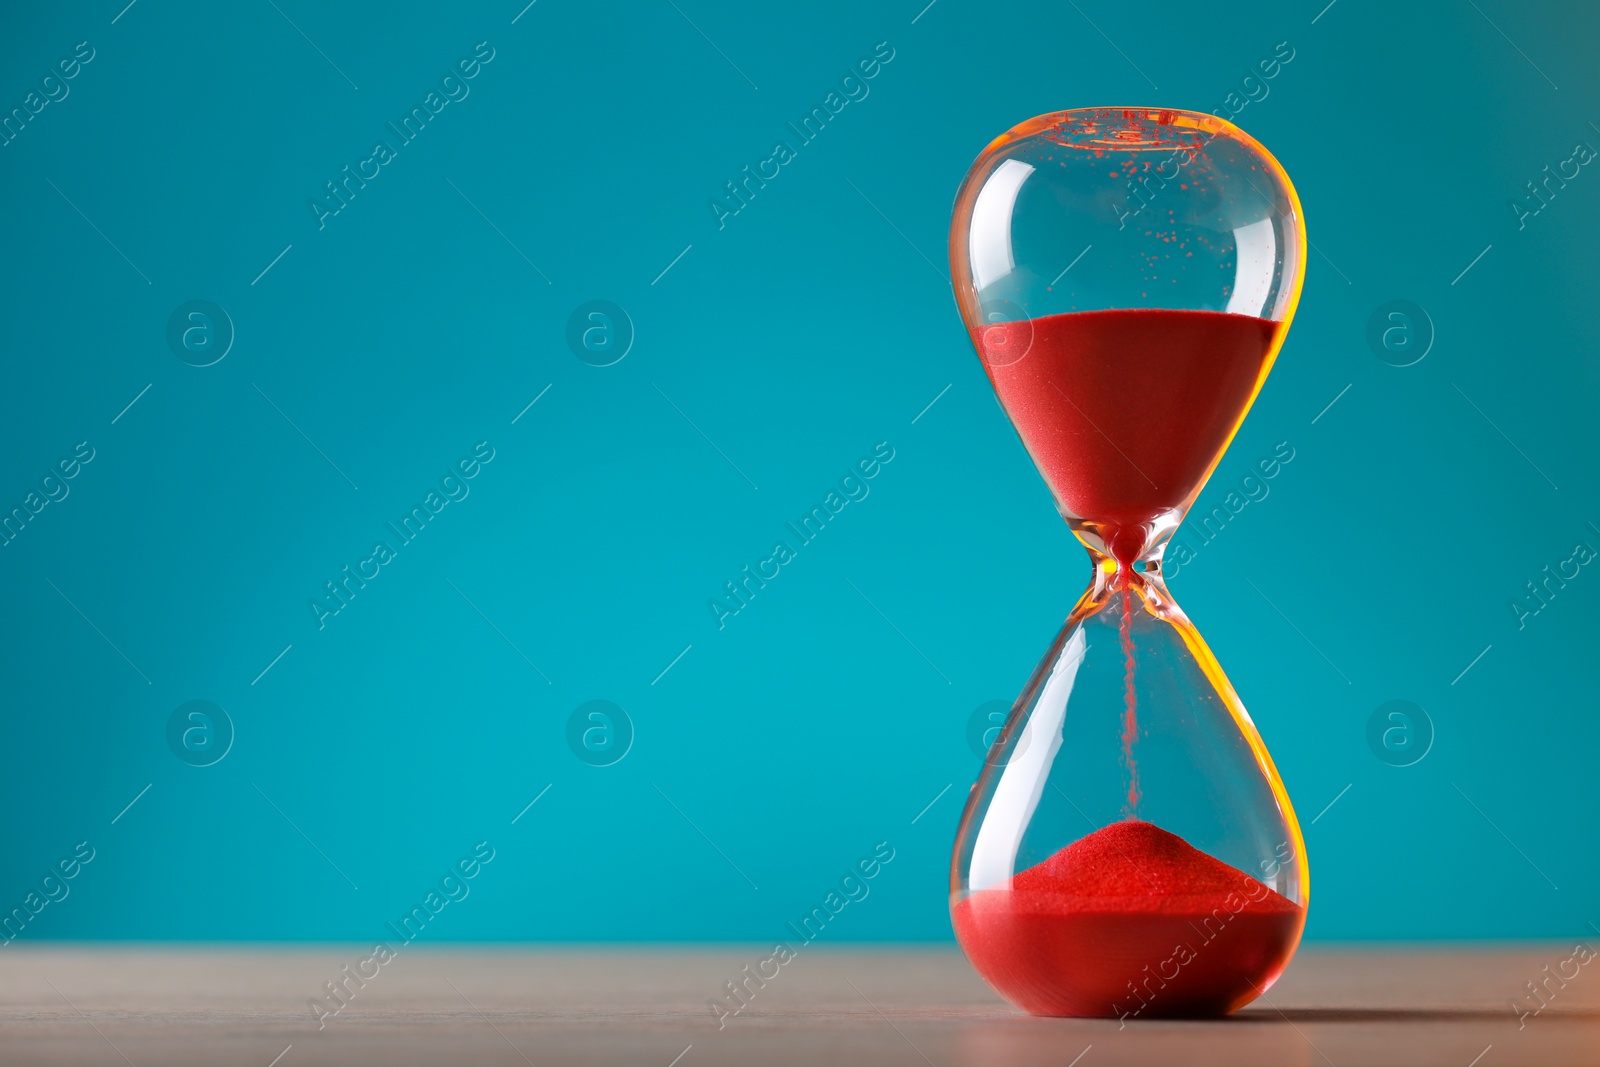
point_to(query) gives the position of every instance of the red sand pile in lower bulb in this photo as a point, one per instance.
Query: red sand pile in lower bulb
(1130, 922)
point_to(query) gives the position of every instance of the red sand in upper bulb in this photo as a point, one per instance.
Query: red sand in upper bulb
(1124, 411)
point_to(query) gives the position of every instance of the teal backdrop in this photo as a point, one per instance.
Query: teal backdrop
(254, 379)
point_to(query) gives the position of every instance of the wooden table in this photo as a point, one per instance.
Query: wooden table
(172, 1006)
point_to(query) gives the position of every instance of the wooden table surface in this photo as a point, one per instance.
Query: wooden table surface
(149, 1006)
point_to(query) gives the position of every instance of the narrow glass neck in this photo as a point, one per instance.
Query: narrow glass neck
(1141, 542)
(1142, 579)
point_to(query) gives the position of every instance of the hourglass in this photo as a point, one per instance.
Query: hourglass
(1127, 276)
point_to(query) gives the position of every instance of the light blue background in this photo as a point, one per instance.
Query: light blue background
(816, 324)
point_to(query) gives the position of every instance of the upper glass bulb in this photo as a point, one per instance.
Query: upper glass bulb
(1112, 211)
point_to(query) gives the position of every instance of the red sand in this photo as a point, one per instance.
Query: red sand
(1125, 410)
(1130, 707)
(1129, 921)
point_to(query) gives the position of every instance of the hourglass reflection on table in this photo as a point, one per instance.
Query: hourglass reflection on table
(1127, 276)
